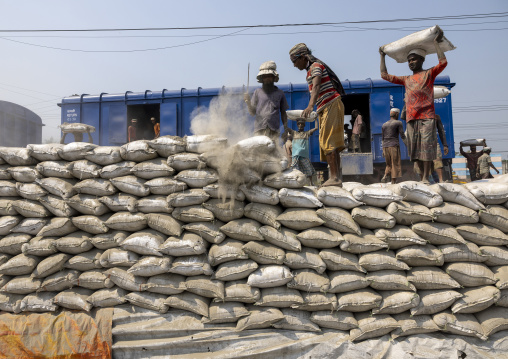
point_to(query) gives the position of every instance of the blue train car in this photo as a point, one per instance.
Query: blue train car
(19, 126)
(111, 114)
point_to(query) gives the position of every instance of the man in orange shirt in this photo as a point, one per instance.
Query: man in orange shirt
(132, 130)
(156, 127)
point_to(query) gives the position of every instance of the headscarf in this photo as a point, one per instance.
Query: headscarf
(302, 50)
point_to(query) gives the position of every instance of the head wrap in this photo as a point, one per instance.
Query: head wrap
(134, 120)
(298, 50)
(394, 110)
(487, 149)
(268, 68)
(419, 52)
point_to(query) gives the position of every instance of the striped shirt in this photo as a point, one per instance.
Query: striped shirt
(327, 92)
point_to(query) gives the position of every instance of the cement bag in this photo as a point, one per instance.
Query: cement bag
(438, 233)
(313, 302)
(372, 327)
(497, 256)
(166, 283)
(224, 191)
(46, 152)
(152, 301)
(338, 260)
(301, 198)
(279, 297)
(256, 144)
(147, 242)
(428, 278)
(198, 178)
(225, 211)
(190, 302)
(25, 174)
(260, 318)
(188, 244)
(399, 237)
(489, 193)
(57, 206)
(264, 253)
(50, 265)
(347, 281)
(153, 204)
(501, 274)
(283, 237)
(456, 193)
(408, 213)
(482, 234)
(471, 274)
(503, 301)
(225, 313)
(495, 216)
(17, 156)
(239, 291)
(30, 190)
(468, 252)
(191, 265)
(167, 145)
(75, 299)
(108, 297)
(84, 169)
(299, 219)
(85, 261)
(127, 221)
(205, 143)
(209, 231)
(29, 208)
(377, 197)
(363, 243)
(126, 280)
(87, 204)
(95, 279)
(165, 186)
(75, 151)
(235, 270)
(104, 155)
(454, 214)
(474, 142)
(154, 168)
(395, 302)
(76, 127)
(132, 185)
(57, 227)
(60, 281)
(307, 258)
(108, 240)
(137, 151)
(40, 246)
(389, 280)
(8, 189)
(115, 257)
(39, 302)
(320, 237)
(59, 169)
(30, 226)
(119, 169)
(205, 287)
(193, 214)
(96, 187)
(338, 219)
(19, 265)
(476, 299)
(434, 301)
(189, 197)
(372, 217)
(358, 300)
(418, 192)
(12, 243)
(91, 224)
(310, 281)
(4, 258)
(493, 320)
(261, 194)
(11, 302)
(334, 320)
(4, 172)
(22, 284)
(381, 261)
(164, 223)
(6, 208)
(185, 161)
(419, 256)
(268, 276)
(119, 202)
(424, 39)
(290, 178)
(263, 213)
(459, 324)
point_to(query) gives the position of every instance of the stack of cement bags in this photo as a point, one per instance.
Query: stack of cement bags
(228, 234)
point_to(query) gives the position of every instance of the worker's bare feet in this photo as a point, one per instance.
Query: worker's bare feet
(332, 182)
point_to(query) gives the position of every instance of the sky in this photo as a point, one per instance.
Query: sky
(39, 69)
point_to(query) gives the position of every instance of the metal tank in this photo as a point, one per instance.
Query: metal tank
(19, 126)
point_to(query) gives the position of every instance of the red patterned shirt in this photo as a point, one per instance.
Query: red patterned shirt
(326, 91)
(419, 91)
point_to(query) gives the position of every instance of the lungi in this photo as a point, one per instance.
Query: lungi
(304, 165)
(422, 139)
(331, 128)
(392, 157)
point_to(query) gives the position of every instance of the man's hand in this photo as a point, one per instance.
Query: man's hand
(445, 150)
(246, 97)
(497, 171)
(381, 51)
(439, 36)
(307, 112)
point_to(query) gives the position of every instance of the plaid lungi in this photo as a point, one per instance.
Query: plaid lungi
(304, 165)
(422, 139)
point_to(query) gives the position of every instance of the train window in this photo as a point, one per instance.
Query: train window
(360, 102)
(143, 113)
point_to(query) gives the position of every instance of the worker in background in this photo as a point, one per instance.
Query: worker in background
(78, 136)
(268, 103)
(301, 149)
(420, 114)
(357, 123)
(349, 134)
(391, 130)
(287, 147)
(484, 164)
(132, 130)
(156, 127)
(472, 161)
(325, 92)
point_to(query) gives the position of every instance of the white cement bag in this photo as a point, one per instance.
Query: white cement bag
(95, 279)
(12, 243)
(372, 217)
(399, 237)
(290, 178)
(50, 265)
(283, 237)
(119, 169)
(76, 127)
(223, 191)
(418, 192)
(58, 226)
(39, 302)
(395, 302)
(438, 233)
(456, 193)
(165, 186)
(299, 219)
(164, 223)
(190, 302)
(381, 261)
(25, 174)
(127, 221)
(146, 242)
(40, 246)
(261, 194)
(363, 243)
(191, 266)
(257, 144)
(280, 297)
(167, 284)
(75, 151)
(84, 169)
(137, 151)
(421, 256)
(167, 145)
(189, 197)
(459, 324)
(301, 198)
(235, 270)
(240, 291)
(152, 301)
(204, 143)
(186, 245)
(489, 193)
(22, 284)
(11, 302)
(108, 297)
(115, 257)
(104, 155)
(372, 327)
(8, 189)
(268, 276)
(475, 300)
(334, 320)
(198, 178)
(482, 234)
(347, 281)
(30, 190)
(88, 204)
(454, 214)
(408, 213)
(74, 243)
(45, 152)
(4, 172)
(30, 226)
(75, 298)
(306, 258)
(471, 274)
(150, 169)
(6, 208)
(495, 216)
(228, 250)
(378, 197)
(193, 214)
(126, 280)
(153, 204)
(185, 161)
(209, 231)
(434, 301)
(111, 239)
(132, 185)
(29, 208)
(85, 261)
(60, 281)
(91, 224)
(119, 202)
(17, 156)
(429, 278)
(60, 169)
(19, 265)
(95, 186)
(57, 206)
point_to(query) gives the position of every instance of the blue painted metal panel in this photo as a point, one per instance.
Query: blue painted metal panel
(357, 163)
(91, 116)
(117, 125)
(379, 114)
(168, 119)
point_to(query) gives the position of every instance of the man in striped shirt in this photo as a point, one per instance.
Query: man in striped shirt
(325, 93)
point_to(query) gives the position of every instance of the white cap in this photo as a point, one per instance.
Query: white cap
(394, 110)
(268, 68)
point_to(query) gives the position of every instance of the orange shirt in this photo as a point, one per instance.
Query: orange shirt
(157, 129)
(132, 133)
